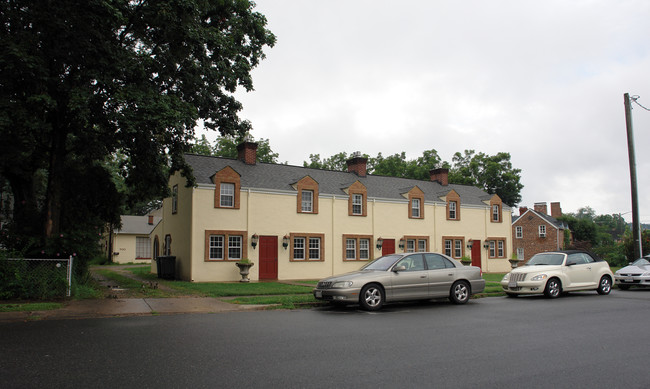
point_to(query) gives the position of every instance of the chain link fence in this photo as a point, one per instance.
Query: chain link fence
(37, 279)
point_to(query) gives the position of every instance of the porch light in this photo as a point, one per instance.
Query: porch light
(285, 242)
(254, 240)
(470, 244)
(401, 243)
(486, 245)
(380, 243)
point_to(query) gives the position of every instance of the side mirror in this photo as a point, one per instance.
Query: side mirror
(399, 268)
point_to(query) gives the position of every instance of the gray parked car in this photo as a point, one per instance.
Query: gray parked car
(401, 277)
(636, 273)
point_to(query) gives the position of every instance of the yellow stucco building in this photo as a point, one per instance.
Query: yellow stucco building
(300, 223)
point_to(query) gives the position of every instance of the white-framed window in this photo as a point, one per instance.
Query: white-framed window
(458, 248)
(216, 247)
(307, 200)
(415, 208)
(500, 251)
(452, 210)
(492, 249)
(314, 248)
(227, 194)
(364, 249)
(519, 232)
(520, 253)
(422, 245)
(350, 249)
(448, 243)
(357, 204)
(496, 215)
(175, 199)
(142, 247)
(234, 246)
(542, 231)
(299, 248)
(410, 245)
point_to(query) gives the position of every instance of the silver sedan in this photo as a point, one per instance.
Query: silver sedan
(636, 273)
(401, 277)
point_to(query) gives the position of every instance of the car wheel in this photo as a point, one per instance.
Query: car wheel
(605, 285)
(372, 297)
(624, 287)
(459, 293)
(553, 288)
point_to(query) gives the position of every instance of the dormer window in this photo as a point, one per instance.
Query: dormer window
(452, 210)
(453, 205)
(307, 189)
(358, 201)
(227, 196)
(357, 204)
(227, 188)
(307, 201)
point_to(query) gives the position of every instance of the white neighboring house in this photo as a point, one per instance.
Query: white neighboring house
(132, 243)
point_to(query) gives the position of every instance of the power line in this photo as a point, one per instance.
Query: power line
(634, 100)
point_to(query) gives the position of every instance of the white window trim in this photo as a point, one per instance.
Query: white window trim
(227, 191)
(307, 205)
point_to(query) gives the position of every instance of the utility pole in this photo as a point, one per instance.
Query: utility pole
(636, 224)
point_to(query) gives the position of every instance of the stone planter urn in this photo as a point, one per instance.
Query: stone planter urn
(514, 262)
(466, 261)
(244, 269)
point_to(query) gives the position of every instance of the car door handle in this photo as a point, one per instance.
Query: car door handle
(423, 276)
(450, 274)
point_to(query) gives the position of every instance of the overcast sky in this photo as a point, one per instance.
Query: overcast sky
(541, 80)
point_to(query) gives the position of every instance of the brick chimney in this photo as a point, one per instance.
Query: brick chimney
(541, 208)
(556, 211)
(522, 210)
(150, 220)
(247, 152)
(357, 164)
(441, 175)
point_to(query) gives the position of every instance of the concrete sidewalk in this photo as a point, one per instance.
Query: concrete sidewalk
(84, 309)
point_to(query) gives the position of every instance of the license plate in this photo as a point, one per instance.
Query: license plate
(318, 294)
(512, 284)
(628, 280)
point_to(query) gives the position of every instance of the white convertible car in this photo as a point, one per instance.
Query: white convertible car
(554, 273)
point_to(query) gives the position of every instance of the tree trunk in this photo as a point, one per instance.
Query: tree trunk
(54, 190)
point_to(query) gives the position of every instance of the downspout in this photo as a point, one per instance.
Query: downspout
(332, 243)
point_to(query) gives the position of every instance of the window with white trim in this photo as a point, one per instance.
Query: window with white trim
(422, 245)
(357, 204)
(415, 208)
(454, 247)
(364, 249)
(306, 247)
(227, 195)
(234, 247)
(496, 214)
(307, 200)
(519, 232)
(142, 247)
(520, 253)
(452, 210)
(458, 248)
(542, 231)
(350, 249)
(216, 247)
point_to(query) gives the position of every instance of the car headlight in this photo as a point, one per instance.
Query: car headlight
(539, 277)
(342, 284)
(646, 274)
(506, 277)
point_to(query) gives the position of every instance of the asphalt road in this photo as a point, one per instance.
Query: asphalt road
(580, 341)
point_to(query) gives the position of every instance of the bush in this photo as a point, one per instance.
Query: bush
(32, 280)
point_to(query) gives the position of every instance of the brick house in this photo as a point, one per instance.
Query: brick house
(535, 231)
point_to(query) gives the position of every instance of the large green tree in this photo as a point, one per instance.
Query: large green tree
(226, 146)
(83, 79)
(492, 173)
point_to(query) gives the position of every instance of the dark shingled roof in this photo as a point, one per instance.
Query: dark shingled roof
(281, 177)
(549, 219)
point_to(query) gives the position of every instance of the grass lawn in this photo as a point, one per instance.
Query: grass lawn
(29, 307)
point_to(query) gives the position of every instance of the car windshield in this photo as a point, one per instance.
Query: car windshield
(641, 262)
(546, 259)
(382, 263)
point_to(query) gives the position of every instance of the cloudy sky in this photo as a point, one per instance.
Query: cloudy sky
(541, 80)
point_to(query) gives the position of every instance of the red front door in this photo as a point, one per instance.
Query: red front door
(388, 247)
(268, 257)
(476, 253)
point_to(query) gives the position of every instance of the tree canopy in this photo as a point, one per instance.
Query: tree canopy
(226, 146)
(82, 80)
(492, 173)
